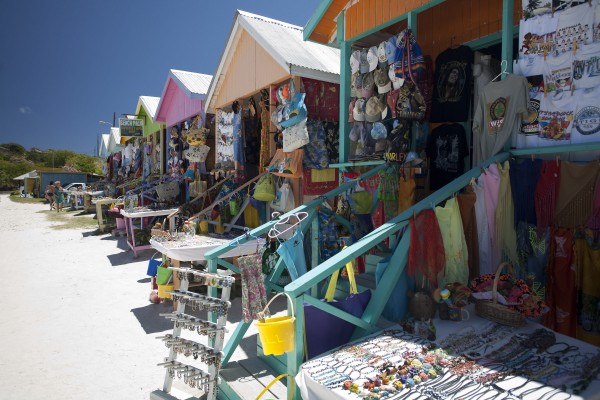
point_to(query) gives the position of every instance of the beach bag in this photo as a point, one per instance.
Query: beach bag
(287, 165)
(410, 104)
(284, 198)
(325, 331)
(409, 61)
(295, 136)
(361, 202)
(265, 188)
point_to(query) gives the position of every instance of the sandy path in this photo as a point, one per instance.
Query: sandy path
(77, 323)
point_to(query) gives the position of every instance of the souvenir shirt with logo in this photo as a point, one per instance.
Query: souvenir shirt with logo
(498, 115)
(452, 85)
(532, 68)
(558, 72)
(556, 118)
(532, 8)
(586, 123)
(446, 149)
(536, 35)
(596, 28)
(586, 66)
(574, 25)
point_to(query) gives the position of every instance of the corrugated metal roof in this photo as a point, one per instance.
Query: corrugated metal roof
(286, 43)
(150, 104)
(31, 175)
(191, 82)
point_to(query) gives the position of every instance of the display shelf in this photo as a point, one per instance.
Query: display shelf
(210, 355)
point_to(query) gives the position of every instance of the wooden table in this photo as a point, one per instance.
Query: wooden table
(130, 215)
(99, 214)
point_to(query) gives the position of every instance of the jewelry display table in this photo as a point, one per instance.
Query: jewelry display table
(141, 213)
(469, 360)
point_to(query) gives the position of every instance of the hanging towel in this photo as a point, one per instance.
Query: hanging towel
(491, 179)
(426, 253)
(455, 246)
(575, 199)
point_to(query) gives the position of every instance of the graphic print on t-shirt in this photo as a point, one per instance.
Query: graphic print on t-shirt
(537, 44)
(587, 120)
(554, 125)
(451, 82)
(497, 110)
(530, 124)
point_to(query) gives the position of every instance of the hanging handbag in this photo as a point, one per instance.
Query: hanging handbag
(325, 331)
(284, 198)
(287, 165)
(295, 136)
(265, 188)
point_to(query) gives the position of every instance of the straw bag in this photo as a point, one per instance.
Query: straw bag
(167, 191)
(499, 313)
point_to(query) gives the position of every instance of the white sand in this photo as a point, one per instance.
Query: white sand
(77, 323)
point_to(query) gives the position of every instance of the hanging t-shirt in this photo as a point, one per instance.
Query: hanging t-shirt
(574, 25)
(484, 70)
(586, 66)
(498, 115)
(556, 119)
(558, 72)
(536, 35)
(452, 85)
(596, 28)
(532, 67)
(586, 123)
(534, 8)
(528, 135)
(446, 149)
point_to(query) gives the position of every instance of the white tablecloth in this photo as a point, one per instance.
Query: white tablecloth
(146, 213)
(311, 389)
(194, 248)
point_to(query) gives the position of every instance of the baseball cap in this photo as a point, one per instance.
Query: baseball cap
(382, 80)
(358, 113)
(378, 131)
(367, 85)
(355, 82)
(350, 109)
(396, 81)
(382, 55)
(364, 64)
(355, 61)
(373, 108)
(372, 58)
(412, 159)
(390, 50)
(356, 131)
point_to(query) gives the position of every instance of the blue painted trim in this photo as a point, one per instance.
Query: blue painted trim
(345, 84)
(507, 33)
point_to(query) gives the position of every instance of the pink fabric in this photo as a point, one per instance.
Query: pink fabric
(491, 186)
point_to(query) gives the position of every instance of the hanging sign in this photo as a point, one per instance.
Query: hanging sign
(131, 127)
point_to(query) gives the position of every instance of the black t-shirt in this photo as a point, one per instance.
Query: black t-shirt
(452, 85)
(446, 150)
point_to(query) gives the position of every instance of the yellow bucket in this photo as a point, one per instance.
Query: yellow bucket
(162, 291)
(277, 334)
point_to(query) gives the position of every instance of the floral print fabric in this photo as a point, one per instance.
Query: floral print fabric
(254, 295)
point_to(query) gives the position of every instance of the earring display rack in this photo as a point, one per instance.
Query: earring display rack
(210, 355)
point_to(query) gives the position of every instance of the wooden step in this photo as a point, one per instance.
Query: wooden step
(247, 378)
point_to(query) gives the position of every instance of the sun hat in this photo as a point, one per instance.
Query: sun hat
(373, 109)
(372, 58)
(294, 111)
(378, 131)
(356, 131)
(364, 63)
(355, 61)
(382, 55)
(412, 159)
(396, 81)
(355, 81)
(358, 113)
(382, 80)
(367, 85)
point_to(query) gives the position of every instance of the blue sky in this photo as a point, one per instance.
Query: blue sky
(65, 65)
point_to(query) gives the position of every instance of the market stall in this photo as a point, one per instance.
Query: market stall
(140, 213)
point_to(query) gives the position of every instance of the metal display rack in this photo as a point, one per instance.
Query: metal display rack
(214, 327)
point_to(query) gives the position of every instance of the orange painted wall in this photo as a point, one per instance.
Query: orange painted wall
(466, 20)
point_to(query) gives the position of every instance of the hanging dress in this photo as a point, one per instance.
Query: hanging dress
(561, 290)
(483, 232)
(575, 198)
(546, 191)
(466, 203)
(491, 179)
(254, 295)
(524, 175)
(587, 263)
(506, 235)
(292, 252)
(426, 252)
(455, 246)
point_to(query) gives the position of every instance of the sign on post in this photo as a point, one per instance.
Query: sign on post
(131, 127)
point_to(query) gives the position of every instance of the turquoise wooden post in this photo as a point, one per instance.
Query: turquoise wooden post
(345, 75)
(314, 232)
(294, 358)
(507, 33)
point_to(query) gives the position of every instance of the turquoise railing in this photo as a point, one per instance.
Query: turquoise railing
(308, 282)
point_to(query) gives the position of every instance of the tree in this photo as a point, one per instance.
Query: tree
(85, 163)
